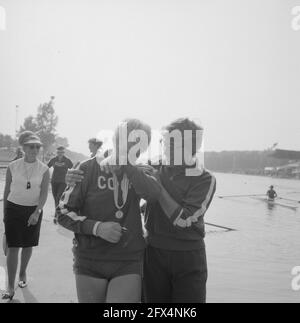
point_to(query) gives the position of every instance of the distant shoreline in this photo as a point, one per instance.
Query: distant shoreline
(258, 175)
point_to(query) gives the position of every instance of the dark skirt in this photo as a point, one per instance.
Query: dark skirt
(18, 234)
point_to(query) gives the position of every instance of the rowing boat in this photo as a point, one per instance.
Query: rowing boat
(270, 202)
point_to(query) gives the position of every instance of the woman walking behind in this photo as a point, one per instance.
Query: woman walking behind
(25, 194)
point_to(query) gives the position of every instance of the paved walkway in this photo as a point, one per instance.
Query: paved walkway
(50, 275)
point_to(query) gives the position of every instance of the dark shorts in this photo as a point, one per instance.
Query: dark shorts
(107, 270)
(175, 276)
(18, 234)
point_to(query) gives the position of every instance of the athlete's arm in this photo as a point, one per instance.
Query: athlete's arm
(144, 180)
(70, 217)
(74, 176)
(193, 207)
(50, 164)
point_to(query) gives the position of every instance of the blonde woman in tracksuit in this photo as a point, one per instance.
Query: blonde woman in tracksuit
(104, 213)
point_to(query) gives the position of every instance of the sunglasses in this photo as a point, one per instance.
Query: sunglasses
(32, 147)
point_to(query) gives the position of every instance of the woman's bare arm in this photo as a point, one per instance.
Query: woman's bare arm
(8, 181)
(44, 190)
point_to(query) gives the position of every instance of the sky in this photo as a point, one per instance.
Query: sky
(234, 65)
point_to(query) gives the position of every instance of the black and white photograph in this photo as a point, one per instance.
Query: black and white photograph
(149, 154)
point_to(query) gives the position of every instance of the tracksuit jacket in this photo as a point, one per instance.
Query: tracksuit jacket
(185, 229)
(92, 200)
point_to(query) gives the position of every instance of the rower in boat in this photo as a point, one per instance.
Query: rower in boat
(271, 194)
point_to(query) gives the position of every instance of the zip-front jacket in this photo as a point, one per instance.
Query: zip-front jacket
(184, 229)
(92, 200)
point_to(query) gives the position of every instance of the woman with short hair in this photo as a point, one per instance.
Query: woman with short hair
(25, 194)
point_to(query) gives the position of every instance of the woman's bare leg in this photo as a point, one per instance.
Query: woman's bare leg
(25, 258)
(125, 289)
(91, 290)
(12, 265)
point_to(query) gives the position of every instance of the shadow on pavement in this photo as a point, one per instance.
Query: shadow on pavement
(28, 296)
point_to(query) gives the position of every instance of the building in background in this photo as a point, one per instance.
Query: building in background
(292, 168)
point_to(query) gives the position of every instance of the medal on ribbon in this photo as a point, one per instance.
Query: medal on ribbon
(124, 188)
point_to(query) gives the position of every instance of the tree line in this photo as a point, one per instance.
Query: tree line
(248, 162)
(44, 124)
(7, 141)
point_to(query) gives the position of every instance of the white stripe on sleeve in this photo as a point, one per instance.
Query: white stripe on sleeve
(195, 217)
